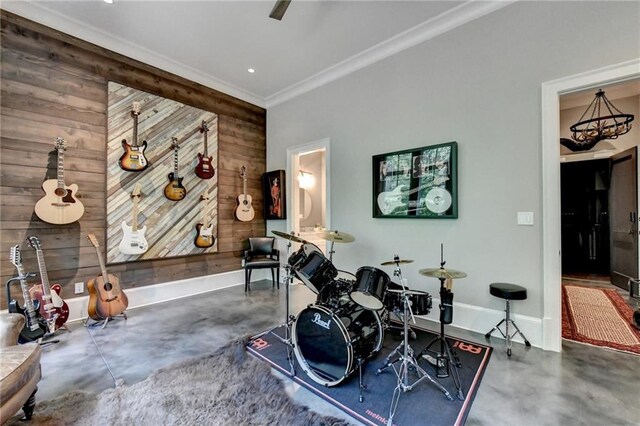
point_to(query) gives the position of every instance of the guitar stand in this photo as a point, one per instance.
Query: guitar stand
(103, 322)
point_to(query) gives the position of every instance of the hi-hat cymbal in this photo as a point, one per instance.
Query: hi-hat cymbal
(336, 236)
(442, 273)
(393, 262)
(289, 237)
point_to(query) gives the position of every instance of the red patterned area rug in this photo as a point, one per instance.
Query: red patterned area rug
(598, 316)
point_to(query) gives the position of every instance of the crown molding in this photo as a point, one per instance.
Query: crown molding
(429, 29)
(39, 13)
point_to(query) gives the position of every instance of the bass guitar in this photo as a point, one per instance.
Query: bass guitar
(204, 169)
(133, 159)
(174, 190)
(50, 305)
(244, 211)
(204, 231)
(106, 299)
(59, 206)
(133, 239)
(35, 326)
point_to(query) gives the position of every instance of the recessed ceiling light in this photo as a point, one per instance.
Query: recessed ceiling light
(251, 70)
(108, 1)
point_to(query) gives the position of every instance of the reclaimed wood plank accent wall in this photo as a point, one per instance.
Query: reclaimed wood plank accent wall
(53, 84)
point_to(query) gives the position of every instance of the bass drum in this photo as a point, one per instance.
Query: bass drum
(328, 342)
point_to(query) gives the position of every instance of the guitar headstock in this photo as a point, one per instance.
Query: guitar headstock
(204, 128)
(205, 196)
(243, 172)
(135, 108)
(34, 242)
(15, 257)
(93, 240)
(61, 144)
(174, 143)
(137, 191)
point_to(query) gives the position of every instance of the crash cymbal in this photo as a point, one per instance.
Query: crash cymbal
(393, 262)
(336, 236)
(442, 273)
(289, 237)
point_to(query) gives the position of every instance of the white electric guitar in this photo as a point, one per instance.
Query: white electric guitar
(133, 239)
(204, 231)
(244, 211)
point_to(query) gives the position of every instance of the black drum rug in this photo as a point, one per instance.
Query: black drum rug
(424, 404)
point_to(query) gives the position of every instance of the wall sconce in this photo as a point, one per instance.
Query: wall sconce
(306, 180)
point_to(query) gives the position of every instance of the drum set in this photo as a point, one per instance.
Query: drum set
(344, 328)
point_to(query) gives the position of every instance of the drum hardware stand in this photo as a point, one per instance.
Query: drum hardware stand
(446, 361)
(361, 386)
(288, 321)
(406, 357)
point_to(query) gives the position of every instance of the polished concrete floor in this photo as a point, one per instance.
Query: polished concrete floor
(583, 385)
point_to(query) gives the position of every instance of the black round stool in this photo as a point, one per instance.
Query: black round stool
(509, 292)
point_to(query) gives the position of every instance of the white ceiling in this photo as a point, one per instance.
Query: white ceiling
(215, 42)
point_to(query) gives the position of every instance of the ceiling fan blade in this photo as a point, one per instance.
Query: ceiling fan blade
(279, 9)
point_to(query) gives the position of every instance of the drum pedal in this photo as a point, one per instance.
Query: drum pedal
(434, 362)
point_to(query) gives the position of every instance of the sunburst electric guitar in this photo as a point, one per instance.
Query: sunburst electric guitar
(204, 169)
(174, 190)
(244, 211)
(35, 326)
(59, 206)
(133, 159)
(106, 299)
(204, 231)
(133, 238)
(50, 305)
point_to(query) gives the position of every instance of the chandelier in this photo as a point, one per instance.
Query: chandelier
(604, 121)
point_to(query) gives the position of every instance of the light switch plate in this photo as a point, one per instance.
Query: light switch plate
(525, 218)
(79, 289)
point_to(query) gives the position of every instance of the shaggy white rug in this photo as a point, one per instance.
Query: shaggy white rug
(227, 387)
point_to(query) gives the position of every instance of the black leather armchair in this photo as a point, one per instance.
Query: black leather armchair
(261, 255)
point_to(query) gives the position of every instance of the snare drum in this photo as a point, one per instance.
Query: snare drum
(298, 258)
(328, 342)
(316, 272)
(420, 301)
(371, 285)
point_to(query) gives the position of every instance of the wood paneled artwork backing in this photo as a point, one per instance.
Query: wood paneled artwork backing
(171, 225)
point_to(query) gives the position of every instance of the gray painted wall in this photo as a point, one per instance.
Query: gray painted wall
(479, 85)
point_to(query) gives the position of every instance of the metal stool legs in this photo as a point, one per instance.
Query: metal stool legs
(507, 320)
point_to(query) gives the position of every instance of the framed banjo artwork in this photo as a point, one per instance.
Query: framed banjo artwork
(417, 183)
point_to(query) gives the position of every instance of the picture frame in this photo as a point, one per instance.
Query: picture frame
(275, 195)
(419, 183)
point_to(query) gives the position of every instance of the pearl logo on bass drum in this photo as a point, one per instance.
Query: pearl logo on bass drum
(324, 324)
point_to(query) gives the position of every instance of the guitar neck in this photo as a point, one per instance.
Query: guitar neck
(175, 162)
(134, 219)
(103, 267)
(46, 289)
(206, 146)
(28, 303)
(135, 129)
(61, 168)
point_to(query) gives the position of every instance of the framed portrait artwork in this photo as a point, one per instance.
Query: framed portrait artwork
(273, 184)
(417, 183)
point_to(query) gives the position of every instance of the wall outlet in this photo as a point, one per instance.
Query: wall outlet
(79, 287)
(525, 218)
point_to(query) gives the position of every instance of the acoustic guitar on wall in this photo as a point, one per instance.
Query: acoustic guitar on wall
(35, 326)
(133, 159)
(133, 238)
(204, 231)
(50, 305)
(174, 190)
(204, 168)
(244, 211)
(59, 206)
(106, 299)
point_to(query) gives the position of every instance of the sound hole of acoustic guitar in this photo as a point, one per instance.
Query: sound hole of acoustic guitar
(60, 192)
(108, 286)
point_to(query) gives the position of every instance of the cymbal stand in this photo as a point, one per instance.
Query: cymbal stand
(288, 320)
(406, 357)
(446, 361)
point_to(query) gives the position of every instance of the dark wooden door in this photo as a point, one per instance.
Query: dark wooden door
(623, 202)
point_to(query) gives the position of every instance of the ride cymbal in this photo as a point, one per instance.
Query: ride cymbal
(442, 273)
(393, 262)
(336, 236)
(289, 237)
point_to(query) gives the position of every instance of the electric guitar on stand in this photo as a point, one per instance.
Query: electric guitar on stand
(133, 239)
(133, 159)
(204, 231)
(106, 299)
(35, 326)
(59, 206)
(244, 211)
(174, 190)
(50, 305)
(204, 169)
